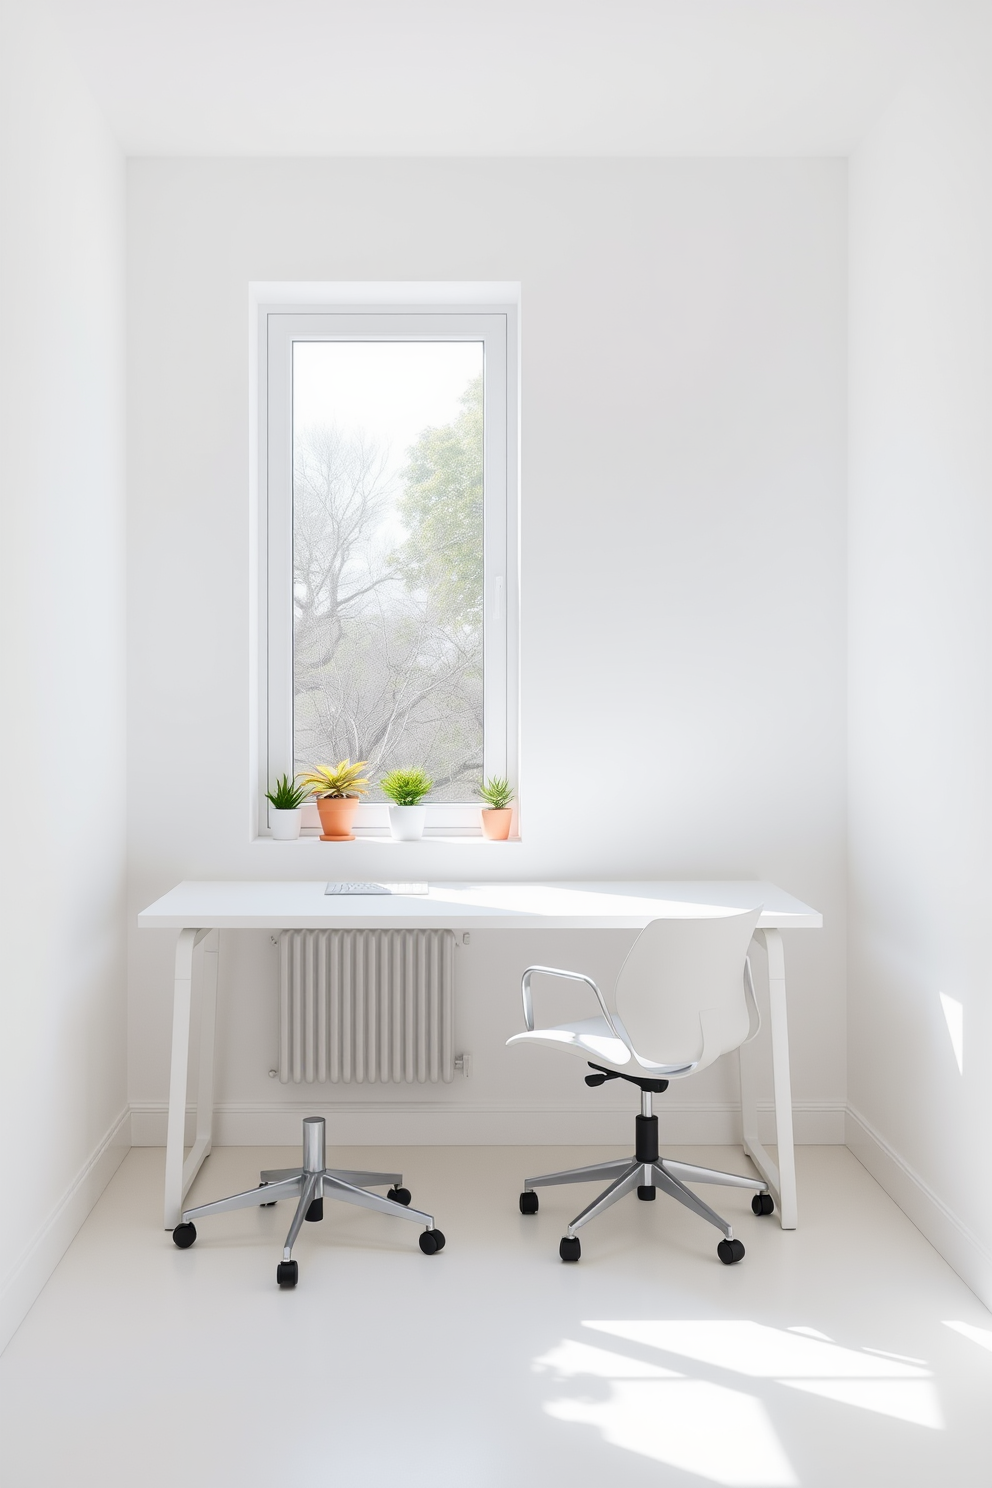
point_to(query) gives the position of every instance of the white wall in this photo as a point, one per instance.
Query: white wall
(683, 425)
(62, 993)
(920, 654)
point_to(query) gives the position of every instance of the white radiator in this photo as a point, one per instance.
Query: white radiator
(366, 1005)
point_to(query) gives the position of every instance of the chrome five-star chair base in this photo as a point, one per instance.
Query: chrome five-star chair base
(647, 1172)
(310, 1185)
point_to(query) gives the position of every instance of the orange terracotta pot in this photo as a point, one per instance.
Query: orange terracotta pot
(336, 816)
(496, 824)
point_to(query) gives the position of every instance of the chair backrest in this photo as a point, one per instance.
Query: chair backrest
(680, 992)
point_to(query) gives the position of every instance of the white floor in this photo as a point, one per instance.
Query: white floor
(828, 1356)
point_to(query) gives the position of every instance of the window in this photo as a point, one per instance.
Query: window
(387, 476)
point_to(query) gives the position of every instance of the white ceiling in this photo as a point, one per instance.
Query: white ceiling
(510, 77)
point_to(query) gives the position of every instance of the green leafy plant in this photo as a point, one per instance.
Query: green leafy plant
(336, 781)
(285, 795)
(406, 787)
(495, 792)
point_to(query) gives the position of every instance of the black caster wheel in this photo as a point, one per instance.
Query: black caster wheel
(266, 1206)
(184, 1235)
(528, 1202)
(646, 1191)
(399, 1195)
(431, 1241)
(569, 1249)
(287, 1273)
(763, 1204)
(730, 1251)
(315, 1211)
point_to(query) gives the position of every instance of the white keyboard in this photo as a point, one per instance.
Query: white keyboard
(376, 888)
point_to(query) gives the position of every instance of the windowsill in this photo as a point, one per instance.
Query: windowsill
(464, 839)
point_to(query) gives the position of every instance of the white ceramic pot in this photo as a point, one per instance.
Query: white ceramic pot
(285, 825)
(407, 822)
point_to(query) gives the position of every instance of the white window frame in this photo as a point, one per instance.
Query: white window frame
(278, 323)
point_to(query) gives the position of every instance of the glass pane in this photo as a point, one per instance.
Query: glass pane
(388, 558)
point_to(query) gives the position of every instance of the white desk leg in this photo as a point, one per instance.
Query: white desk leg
(179, 1174)
(749, 1100)
(780, 1176)
(208, 1026)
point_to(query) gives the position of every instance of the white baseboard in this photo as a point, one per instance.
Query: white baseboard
(46, 1248)
(434, 1125)
(950, 1237)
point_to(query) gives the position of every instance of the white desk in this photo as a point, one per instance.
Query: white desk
(199, 910)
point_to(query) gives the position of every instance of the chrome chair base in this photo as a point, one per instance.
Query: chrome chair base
(647, 1171)
(310, 1184)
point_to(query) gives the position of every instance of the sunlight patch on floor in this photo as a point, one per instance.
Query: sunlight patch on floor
(981, 1336)
(756, 1350)
(914, 1401)
(721, 1434)
(798, 1360)
(711, 1427)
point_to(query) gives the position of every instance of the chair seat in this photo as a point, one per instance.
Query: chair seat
(591, 1038)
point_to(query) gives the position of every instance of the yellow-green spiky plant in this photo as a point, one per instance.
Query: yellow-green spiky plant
(496, 792)
(336, 781)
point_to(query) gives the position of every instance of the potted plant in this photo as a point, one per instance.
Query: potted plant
(497, 812)
(338, 789)
(286, 800)
(406, 790)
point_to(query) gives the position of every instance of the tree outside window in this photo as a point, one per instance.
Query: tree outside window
(388, 574)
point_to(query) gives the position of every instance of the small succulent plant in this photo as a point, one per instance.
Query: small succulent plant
(496, 793)
(285, 795)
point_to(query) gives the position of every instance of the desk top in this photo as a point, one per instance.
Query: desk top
(290, 905)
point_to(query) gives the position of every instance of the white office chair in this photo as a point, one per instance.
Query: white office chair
(684, 996)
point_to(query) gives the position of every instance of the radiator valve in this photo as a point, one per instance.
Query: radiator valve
(463, 1063)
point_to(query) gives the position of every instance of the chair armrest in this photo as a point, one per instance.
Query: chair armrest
(753, 1010)
(572, 976)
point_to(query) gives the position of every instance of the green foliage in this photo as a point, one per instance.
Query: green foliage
(441, 509)
(285, 796)
(406, 787)
(496, 793)
(342, 779)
